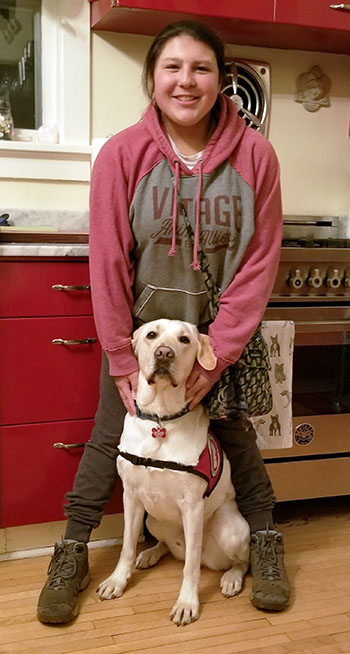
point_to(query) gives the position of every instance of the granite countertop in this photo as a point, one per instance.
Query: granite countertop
(43, 250)
(34, 233)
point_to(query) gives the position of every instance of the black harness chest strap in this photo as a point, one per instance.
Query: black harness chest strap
(156, 463)
(209, 466)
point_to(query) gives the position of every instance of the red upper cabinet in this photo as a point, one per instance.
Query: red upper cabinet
(287, 24)
(149, 16)
(313, 13)
(237, 21)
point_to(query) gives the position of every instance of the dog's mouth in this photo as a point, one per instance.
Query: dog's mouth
(160, 372)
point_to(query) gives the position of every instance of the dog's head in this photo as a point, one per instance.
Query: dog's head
(167, 350)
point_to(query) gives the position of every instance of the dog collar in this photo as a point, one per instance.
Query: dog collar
(160, 430)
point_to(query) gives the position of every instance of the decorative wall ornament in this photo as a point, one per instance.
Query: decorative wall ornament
(313, 89)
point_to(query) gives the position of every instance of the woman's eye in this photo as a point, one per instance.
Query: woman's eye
(151, 335)
(184, 339)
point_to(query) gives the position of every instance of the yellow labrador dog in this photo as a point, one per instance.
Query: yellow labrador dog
(162, 455)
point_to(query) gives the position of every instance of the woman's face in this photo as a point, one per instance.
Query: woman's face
(186, 81)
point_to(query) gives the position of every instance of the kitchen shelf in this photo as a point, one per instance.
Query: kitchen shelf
(243, 22)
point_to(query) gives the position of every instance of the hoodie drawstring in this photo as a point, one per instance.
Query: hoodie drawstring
(195, 263)
(176, 186)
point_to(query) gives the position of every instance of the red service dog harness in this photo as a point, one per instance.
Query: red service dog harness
(209, 466)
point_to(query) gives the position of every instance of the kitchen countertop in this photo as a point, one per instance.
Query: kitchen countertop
(44, 250)
(45, 233)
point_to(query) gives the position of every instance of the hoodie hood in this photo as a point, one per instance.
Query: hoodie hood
(227, 135)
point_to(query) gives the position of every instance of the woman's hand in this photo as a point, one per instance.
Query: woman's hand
(127, 388)
(197, 386)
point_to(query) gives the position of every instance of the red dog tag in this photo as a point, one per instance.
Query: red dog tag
(158, 431)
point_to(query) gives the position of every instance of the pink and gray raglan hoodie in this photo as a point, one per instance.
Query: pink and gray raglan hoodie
(143, 264)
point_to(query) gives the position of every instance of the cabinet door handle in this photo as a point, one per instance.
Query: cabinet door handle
(73, 341)
(343, 6)
(73, 287)
(68, 446)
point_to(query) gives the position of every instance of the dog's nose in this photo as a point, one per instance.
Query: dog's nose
(164, 353)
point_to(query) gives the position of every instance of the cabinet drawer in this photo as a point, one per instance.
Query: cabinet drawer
(42, 381)
(35, 476)
(26, 288)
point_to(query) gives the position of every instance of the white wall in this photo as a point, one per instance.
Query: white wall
(313, 148)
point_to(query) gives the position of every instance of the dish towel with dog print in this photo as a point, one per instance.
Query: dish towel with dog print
(275, 429)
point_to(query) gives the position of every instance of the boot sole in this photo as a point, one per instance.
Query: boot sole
(52, 619)
(268, 606)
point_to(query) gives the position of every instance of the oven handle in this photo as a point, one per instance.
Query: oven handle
(323, 332)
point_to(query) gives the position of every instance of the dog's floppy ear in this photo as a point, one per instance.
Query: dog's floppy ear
(205, 354)
(135, 339)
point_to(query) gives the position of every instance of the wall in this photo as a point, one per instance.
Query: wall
(43, 195)
(313, 148)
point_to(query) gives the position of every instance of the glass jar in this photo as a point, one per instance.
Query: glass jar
(6, 121)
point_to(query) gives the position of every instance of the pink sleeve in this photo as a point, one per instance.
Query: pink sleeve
(111, 267)
(243, 303)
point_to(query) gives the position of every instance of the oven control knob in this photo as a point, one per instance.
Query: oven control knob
(295, 280)
(347, 279)
(333, 279)
(314, 279)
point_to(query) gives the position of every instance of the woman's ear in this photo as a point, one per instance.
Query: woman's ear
(205, 353)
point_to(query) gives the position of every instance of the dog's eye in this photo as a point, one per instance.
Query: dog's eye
(184, 339)
(151, 335)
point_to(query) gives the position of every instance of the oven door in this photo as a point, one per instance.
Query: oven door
(318, 463)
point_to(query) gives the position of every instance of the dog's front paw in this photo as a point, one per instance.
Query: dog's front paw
(184, 613)
(110, 588)
(231, 582)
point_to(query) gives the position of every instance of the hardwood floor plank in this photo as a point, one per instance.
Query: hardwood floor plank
(316, 622)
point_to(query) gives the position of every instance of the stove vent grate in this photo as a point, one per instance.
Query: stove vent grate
(247, 83)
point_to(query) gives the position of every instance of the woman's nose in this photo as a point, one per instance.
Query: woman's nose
(186, 77)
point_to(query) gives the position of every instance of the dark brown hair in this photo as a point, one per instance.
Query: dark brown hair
(193, 28)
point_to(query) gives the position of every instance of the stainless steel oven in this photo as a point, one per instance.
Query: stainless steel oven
(313, 289)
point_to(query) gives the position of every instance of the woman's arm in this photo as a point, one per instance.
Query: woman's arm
(111, 266)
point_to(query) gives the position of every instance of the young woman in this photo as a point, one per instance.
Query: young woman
(190, 152)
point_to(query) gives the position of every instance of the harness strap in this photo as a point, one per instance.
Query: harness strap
(198, 470)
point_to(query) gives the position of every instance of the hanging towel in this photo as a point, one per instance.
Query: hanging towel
(275, 429)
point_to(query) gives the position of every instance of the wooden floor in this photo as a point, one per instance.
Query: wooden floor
(317, 541)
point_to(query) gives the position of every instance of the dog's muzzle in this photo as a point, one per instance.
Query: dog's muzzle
(163, 358)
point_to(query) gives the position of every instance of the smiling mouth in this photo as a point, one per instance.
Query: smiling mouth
(186, 98)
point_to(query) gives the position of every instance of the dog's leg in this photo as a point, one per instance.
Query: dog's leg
(228, 540)
(186, 607)
(152, 555)
(114, 585)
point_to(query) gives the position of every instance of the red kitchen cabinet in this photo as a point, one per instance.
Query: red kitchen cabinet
(45, 381)
(237, 21)
(26, 288)
(50, 364)
(150, 16)
(288, 24)
(35, 476)
(317, 13)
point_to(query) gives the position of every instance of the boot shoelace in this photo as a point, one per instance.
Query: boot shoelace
(268, 557)
(64, 564)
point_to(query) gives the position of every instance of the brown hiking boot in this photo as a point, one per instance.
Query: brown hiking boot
(68, 574)
(270, 588)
